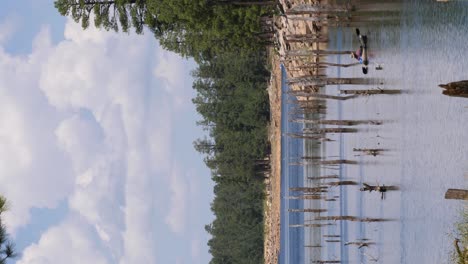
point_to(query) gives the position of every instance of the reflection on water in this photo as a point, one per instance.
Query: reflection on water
(351, 165)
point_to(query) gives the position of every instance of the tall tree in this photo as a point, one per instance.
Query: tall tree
(7, 247)
(111, 14)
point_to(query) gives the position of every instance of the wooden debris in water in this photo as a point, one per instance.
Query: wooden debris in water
(456, 194)
(331, 236)
(341, 183)
(312, 225)
(306, 197)
(350, 218)
(327, 261)
(327, 96)
(308, 189)
(382, 189)
(323, 177)
(360, 244)
(307, 210)
(308, 136)
(333, 241)
(325, 162)
(456, 89)
(330, 130)
(312, 246)
(368, 151)
(370, 91)
(311, 157)
(338, 122)
(379, 188)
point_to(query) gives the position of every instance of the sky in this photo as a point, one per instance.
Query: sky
(96, 155)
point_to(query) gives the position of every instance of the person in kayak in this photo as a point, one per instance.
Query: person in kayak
(361, 54)
(357, 55)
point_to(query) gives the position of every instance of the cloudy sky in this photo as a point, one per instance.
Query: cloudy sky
(96, 155)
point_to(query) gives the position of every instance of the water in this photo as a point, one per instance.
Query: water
(424, 131)
(292, 176)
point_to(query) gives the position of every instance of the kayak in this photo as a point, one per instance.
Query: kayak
(365, 52)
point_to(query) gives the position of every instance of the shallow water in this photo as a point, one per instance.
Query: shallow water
(424, 131)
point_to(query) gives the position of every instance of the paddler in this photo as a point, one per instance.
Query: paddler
(361, 54)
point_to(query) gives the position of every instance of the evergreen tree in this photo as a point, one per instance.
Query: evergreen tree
(7, 247)
(111, 14)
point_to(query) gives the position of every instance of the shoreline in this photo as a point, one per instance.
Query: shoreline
(284, 29)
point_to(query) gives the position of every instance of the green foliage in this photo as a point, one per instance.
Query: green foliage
(111, 15)
(3, 204)
(7, 247)
(232, 99)
(202, 29)
(460, 252)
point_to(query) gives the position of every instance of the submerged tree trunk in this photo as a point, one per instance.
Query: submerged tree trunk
(350, 218)
(306, 197)
(338, 122)
(330, 130)
(342, 183)
(371, 91)
(323, 177)
(456, 89)
(456, 194)
(307, 210)
(328, 162)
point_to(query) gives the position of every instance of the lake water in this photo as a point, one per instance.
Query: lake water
(425, 133)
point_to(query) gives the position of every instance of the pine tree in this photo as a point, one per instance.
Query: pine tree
(7, 247)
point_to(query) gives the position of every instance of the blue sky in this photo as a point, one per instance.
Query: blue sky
(96, 144)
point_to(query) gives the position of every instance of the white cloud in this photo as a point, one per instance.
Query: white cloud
(177, 208)
(28, 147)
(70, 242)
(82, 137)
(90, 121)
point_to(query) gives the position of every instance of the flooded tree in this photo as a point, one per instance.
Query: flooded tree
(307, 210)
(359, 244)
(323, 177)
(369, 151)
(330, 130)
(350, 218)
(371, 91)
(456, 194)
(339, 122)
(311, 161)
(313, 246)
(379, 188)
(341, 183)
(456, 89)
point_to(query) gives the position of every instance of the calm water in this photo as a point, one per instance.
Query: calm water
(425, 132)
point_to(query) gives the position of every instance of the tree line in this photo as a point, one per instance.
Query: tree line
(225, 38)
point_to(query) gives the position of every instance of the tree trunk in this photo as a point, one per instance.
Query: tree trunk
(307, 210)
(456, 194)
(371, 91)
